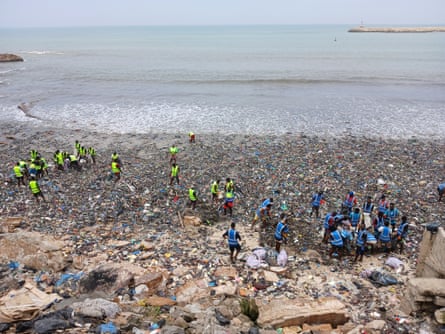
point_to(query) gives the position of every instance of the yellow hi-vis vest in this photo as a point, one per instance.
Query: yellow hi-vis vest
(34, 186)
(175, 170)
(192, 194)
(18, 171)
(115, 167)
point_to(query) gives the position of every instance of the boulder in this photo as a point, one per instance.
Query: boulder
(111, 277)
(8, 57)
(34, 250)
(284, 312)
(431, 261)
(191, 291)
(440, 316)
(423, 294)
(96, 308)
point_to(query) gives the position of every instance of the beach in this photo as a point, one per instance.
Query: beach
(102, 222)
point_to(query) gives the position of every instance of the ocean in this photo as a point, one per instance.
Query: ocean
(311, 79)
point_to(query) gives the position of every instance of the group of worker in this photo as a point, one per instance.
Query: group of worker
(229, 187)
(364, 228)
(38, 167)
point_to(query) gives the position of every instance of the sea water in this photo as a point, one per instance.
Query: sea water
(227, 79)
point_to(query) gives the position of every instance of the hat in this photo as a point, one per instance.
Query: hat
(351, 193)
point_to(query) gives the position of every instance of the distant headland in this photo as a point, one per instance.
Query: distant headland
(6, 57)
(397, 29)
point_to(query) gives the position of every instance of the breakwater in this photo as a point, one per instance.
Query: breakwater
(398, 29)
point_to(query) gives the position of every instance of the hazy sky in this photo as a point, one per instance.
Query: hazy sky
(56, 13)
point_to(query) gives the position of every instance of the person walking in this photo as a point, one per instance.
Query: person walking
(233, 238)
(174, 175)
(317, 199)
(229, 186)
(92, 153)
(35, 189)
(281, 232)
(214, 189)
(116, 169)
(229, 199)
(19, 174)
(192, 137)
(193, 197)
(173, 152)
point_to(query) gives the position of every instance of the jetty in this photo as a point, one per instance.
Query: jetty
(397, 29)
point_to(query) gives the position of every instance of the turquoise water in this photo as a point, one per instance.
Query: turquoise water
(257, 79)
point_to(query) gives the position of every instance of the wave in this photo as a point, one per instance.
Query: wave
(36, 52)
(12, 70)
(304, 81)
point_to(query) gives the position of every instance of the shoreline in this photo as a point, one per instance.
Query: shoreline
(23, 127)
(398, 29)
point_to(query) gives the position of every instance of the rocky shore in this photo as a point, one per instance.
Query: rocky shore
(103, 256)
(398, 29)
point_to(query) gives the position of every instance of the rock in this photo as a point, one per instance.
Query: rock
(225, 271)
(376, 325)
(440, 316)
(431, 261)
(7, 57)
(191, 292)
(285, 312)
(159, 301)
(172, 330)
(421, 294)
(34, 250)
(110, 277)
(96, 308)
(192, 221)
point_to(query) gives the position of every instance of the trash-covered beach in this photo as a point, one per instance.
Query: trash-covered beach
(130, 256)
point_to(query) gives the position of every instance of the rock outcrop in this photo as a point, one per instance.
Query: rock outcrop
(7, 57)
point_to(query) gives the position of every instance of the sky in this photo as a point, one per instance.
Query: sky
(63, 13)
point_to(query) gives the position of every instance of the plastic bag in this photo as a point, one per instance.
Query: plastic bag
(282, 258)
